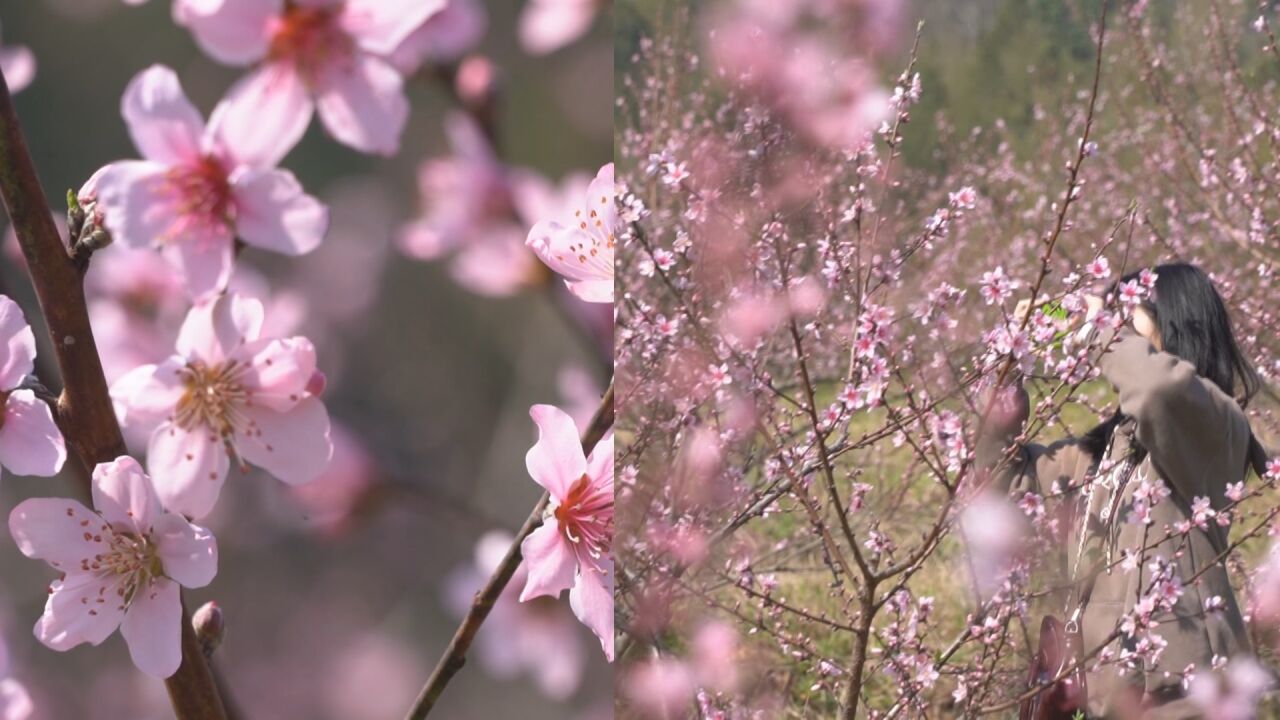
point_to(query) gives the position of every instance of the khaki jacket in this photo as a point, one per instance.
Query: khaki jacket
(1196, 439)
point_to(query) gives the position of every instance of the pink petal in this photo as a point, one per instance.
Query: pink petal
(600, 464)
(362, 103)
(18, 64)
(233, 32)
(137, 203)
(153, 628)
(444, 38)
(556, 461)
(279, 371)
(274, 213)
(293, 446)
(53, 530)
(17, 345)
(558, 246)
(592, 601)
(205, 258)
(592, 291)
(263, 116)
(548, 25)
(188, 552)
(122, 493)
(30, 442)
(600, 196)
(381, 25)
(164, 125)
(81, 608)
(188, 469)
(216, 329)
(147, 395)
(550, 561)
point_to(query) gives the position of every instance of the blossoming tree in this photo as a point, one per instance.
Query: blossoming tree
(815, 336)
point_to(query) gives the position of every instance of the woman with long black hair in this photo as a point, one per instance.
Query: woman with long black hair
(1150, 485)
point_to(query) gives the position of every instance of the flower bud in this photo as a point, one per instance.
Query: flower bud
(210, 627)
(317, 383)
(477, 81)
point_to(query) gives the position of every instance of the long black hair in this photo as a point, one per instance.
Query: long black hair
(1195, 326)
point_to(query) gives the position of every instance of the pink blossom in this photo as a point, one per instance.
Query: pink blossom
(996, 286)
(539, 637)
(474, 208)
(582, 251)
(199, 187)
(548, 25)
(662, 687)
(1233, 694)
(444, 37)
(715, 656)
(227, 395)
(1099, 268)
(18, 64)
(30, 442)
(325, 56)
(121, 564)
(572, 547)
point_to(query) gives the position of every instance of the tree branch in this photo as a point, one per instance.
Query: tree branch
(84, 409)
(455, 656)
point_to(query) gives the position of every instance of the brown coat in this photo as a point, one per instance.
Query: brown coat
(1196, 439)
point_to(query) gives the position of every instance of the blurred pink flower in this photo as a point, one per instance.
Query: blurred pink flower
(18, 64)
(715, 656)
(15, 701)
(30, 442)
(1234, 694)
(200, 187)
(470, 210)
(227, 395)
(582, 251)
(662, 688)
(540, 636)
(443, 38)
(572, 548)
(548, 25)
(334, 495)
(326, 56)
(121, 565)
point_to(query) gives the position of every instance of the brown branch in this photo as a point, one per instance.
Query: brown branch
(455, 656)
(84, 408)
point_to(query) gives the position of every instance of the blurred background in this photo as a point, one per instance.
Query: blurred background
(340, 597)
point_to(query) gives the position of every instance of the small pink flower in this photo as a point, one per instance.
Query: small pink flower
(548, 25)
(30, 442)
(228, 395)
(121, 564)
(996, 286)
(572, 547)
(326, 56)
(200, 187)
(582, 251)
(1099, 268)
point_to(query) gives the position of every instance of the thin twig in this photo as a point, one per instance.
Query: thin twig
(455, 656)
